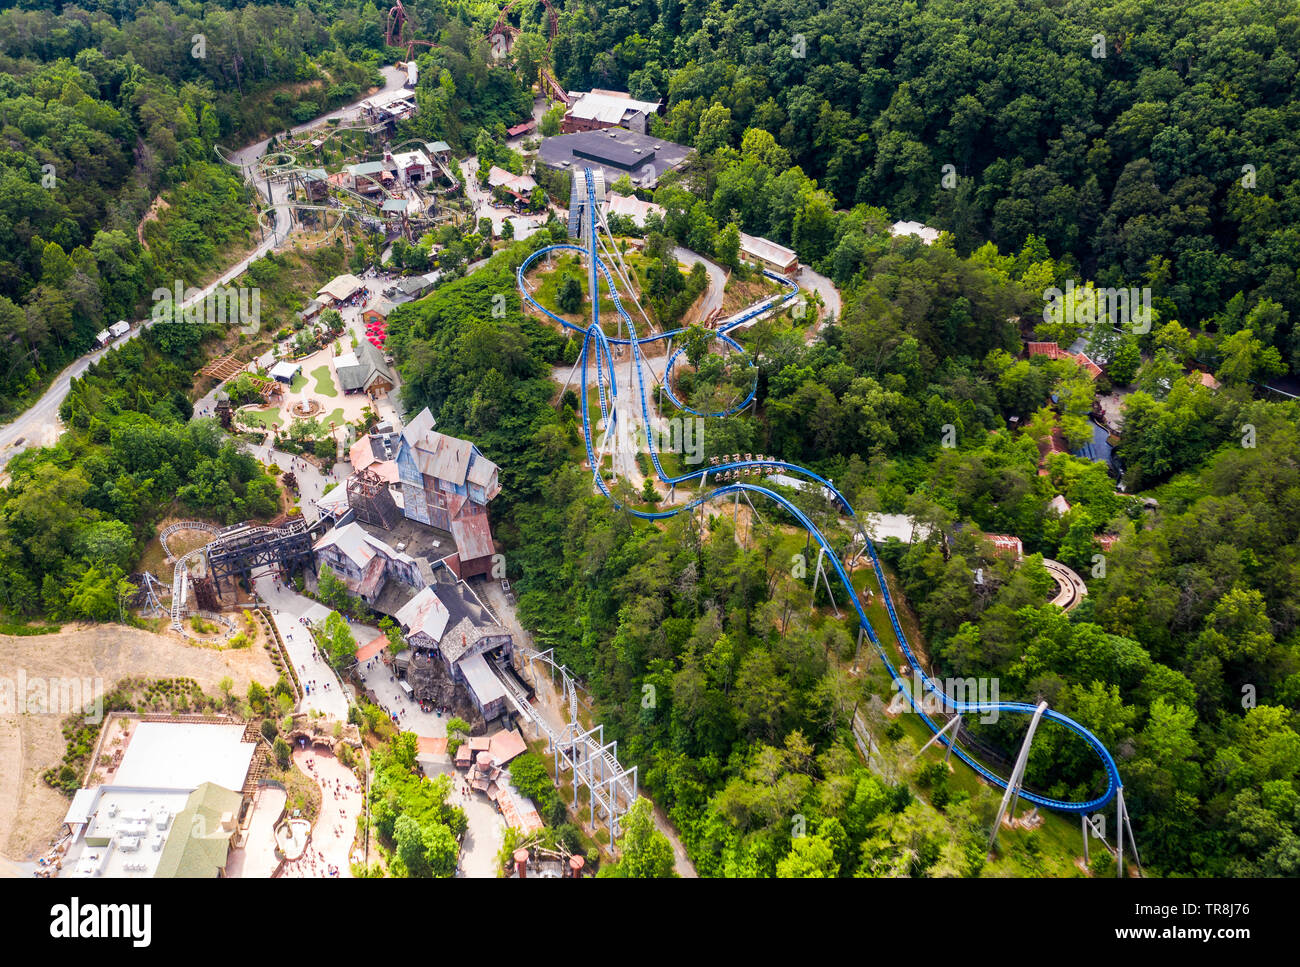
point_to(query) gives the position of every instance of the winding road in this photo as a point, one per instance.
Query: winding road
(38, 425)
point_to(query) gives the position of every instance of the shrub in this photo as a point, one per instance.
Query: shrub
(457, 730)
(257, 697)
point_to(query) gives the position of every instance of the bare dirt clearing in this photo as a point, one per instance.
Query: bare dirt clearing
(30, 811)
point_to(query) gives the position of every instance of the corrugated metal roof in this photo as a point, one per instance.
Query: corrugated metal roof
(500, 178)
(505, 746)
(352, 541)
(450, 458)
(487, 688)
(767, 250)
(609, 108)
(418, 428)
(424, 613)
(364, 452)
(481, 470)
(341, 287)
(359, 546)
(473, 536)
(445, 457)
(372, 648)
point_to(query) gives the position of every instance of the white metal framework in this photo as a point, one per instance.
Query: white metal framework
(583, 753)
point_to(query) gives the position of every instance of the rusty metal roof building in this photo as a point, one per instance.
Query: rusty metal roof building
(446, 457)
(473, 537)
(424, 614)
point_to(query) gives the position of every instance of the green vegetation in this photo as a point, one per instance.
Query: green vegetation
(644, 851)
(76, 515)
(457, 732)
(749, 722)
(336, 641)
(1167, 164)
(324, 382)
(332, 591)
(1136, 168)
(417, 829)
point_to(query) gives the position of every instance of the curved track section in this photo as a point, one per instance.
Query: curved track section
(597, 345)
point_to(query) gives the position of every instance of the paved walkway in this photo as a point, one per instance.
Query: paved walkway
(486, 207)
(287, 606)
(312, 481)
(717, 279)
(255, 860)
(485, 829)
(336, 826)
(393, 700)
(810, 280)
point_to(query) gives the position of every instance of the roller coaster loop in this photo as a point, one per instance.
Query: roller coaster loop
(596, 341)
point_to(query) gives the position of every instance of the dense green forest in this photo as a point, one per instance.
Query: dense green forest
(76, 516)
(1167, 163)
(1170, 162)
(103, 111)
(750, 723)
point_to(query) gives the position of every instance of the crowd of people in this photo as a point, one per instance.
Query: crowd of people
(333, 819)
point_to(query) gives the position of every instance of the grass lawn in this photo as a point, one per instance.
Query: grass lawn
(547, 283)
(262, 418)
(336, 417)
(324, 381)
(299, 381)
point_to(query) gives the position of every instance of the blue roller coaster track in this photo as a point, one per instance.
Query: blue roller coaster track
(596, 341)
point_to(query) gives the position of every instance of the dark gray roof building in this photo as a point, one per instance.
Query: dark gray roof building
(618, 151)
(363, 370)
